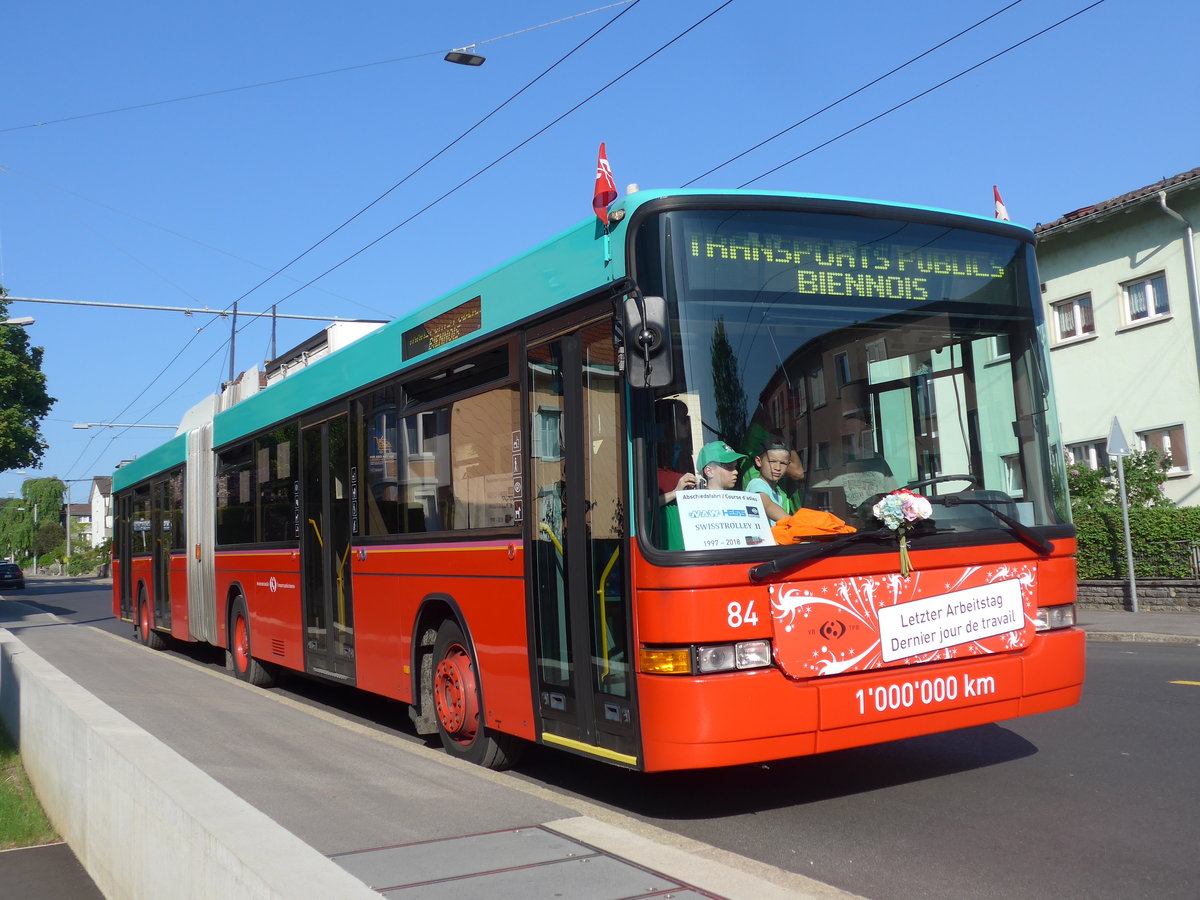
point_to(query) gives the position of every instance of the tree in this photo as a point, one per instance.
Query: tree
(49, 539)
(23, 398)
(20, 519)
(727, 387)
(1097, 489)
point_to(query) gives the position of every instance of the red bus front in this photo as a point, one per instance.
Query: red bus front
(853, 521)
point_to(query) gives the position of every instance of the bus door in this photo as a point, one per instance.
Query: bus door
(161, 541)
(575, 515)
(327, 495)
(123, 538)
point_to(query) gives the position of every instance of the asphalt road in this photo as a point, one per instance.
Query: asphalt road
(1097, 801)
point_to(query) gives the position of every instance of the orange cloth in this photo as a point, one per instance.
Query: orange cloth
(806, 523)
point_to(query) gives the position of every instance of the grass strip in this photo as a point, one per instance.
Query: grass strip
(23, 822)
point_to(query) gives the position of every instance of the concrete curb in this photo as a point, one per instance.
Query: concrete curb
(141, 819)
(1142, 637)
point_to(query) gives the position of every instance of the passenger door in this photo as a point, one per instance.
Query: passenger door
(327, 496)
(576, 525)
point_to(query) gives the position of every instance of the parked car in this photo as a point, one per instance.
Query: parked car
(11, 576)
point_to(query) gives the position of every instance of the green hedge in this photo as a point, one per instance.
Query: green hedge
(1162, 537)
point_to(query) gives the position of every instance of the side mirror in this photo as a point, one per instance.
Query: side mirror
(647, 342)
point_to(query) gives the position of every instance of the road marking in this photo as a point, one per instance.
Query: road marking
(1192, 683)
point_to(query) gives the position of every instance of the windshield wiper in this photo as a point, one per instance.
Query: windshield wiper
(1022, 531)
(785, 562)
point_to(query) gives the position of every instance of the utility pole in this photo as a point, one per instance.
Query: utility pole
(232, 341)
(1117, 447)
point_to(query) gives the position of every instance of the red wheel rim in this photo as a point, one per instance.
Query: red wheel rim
(455, 696)
(144, 619)
(241, 643)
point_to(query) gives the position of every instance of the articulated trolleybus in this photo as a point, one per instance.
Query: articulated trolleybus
(496, 510)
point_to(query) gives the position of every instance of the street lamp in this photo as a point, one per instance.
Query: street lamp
(464, 57)
(20, 321)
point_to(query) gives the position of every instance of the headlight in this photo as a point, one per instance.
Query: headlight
(1050, 617)
(727, 657)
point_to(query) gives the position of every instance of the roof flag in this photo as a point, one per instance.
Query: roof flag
(1001, 210)
(606, 189)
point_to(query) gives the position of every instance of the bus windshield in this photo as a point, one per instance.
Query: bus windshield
(830, 359)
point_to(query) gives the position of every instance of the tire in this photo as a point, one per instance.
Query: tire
(239, 657)
(144, 626)
(458, 704)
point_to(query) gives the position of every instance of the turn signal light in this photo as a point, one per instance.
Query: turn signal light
(666, 660)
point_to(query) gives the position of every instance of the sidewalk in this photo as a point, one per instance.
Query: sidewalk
(386, 813)
(246, 793)
(1146, 627)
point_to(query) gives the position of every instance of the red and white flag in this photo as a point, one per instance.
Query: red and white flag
(606, 189)
(1001, 210)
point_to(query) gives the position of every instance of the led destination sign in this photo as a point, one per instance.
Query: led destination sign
(442, 329)
(878, 269)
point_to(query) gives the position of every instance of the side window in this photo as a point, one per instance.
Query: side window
(235, 494)
(142, 522)
(380, 451)
(481, 465)
(172, 512)
(439, 466)
(456, 468)
(277, 479)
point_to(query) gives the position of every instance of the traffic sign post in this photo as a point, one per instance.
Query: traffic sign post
(1118, 448)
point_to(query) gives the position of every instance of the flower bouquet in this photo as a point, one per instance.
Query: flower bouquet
(900, 511)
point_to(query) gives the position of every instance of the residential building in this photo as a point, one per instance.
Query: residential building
(80, 517)
(1120, 298)
(100, 502)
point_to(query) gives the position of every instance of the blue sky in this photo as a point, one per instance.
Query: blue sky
(193, 203)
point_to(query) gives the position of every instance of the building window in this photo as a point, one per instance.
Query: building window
(822, 454)
(849, 447)
(841, 365)
(1089, 453)
(1073, 318)
(547, 435)
(817, 390)
(1014, 481)
(1146, 299)
(1170, 443)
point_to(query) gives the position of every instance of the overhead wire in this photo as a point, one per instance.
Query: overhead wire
(277, 81)
(630, 5)
(509, 152)
(923, 93)
(485, 168)
(855, 92)
(116, 434)
(26, 180)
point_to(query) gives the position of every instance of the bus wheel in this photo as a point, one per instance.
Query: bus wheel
(239, 655)
(458, 708)
(145, 627)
